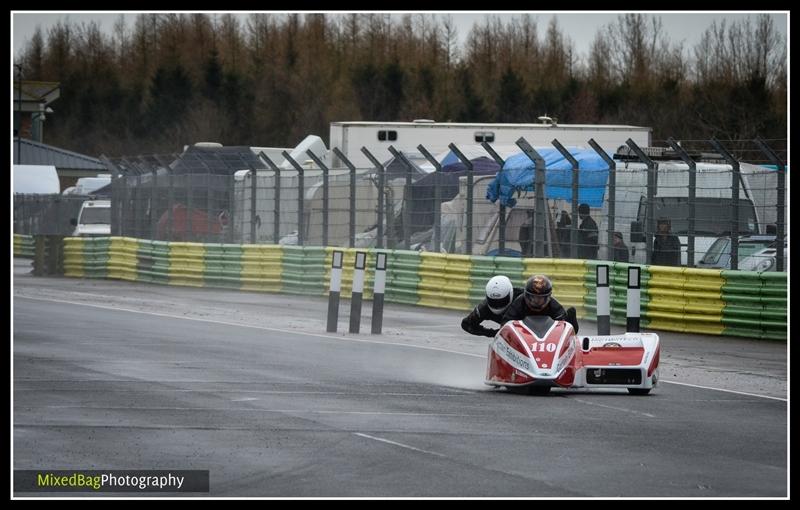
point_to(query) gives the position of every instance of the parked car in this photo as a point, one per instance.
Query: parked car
(764, 260)
(718, 255)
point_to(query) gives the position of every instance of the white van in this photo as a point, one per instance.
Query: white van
(88, 185)
(94, 219)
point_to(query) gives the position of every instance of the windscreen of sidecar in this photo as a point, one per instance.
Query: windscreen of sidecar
(539, 324)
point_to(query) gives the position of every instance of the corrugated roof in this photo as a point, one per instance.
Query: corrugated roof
(35, 153)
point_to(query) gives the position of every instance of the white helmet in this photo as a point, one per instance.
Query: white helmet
(499, 294)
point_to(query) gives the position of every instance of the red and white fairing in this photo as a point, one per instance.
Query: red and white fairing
(540, 352)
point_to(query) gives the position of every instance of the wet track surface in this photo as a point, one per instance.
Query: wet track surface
(250, 387)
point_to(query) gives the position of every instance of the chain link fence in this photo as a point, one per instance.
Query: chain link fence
(692, 204)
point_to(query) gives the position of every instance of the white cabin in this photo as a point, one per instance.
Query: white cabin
(350, 137)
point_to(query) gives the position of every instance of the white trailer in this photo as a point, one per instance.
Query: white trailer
(349, 137)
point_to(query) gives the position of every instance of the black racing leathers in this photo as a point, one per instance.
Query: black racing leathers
(472, 322)
(519, 310)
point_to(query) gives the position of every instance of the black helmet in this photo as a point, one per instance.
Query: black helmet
(538, 289)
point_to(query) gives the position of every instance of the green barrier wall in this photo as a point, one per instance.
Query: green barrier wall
(23, 246)
(733, 303)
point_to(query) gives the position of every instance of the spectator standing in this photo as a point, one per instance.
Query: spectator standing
(620, 249)
(587, 234)
(563, 233)
(666, 246)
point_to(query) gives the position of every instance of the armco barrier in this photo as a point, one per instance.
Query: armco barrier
(223, 266)
(755, 304)
(482, 270)
(96, 252)
(673, 306)
(402, 277)
(153, 261)
(260, 268)
(512, 267)
(736, 303)
(303, 270)
(122, 262)
(444, 281)
(187, 264)
(74, 257)
(23, 246)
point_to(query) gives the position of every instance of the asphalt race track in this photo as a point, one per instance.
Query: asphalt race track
(120, 375)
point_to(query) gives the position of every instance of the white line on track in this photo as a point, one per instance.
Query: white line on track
(720, 389)
(247, 409)
(401, 445)
(612, 407)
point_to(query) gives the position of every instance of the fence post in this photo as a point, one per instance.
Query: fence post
(210, 217)
(147, 212)
(191, 177)
(57, 222)
(144, 167)
(603, 300)
(39, 255)
(168, 171)
(253, 198)
(612, 195)
(470, 194)
(734, 201)
(352, 169)
(406, 197)
(437, 198)
(154, 195)
(357, 291)
(276, 217)
(137, 205)
(125, 210)
(115, 198)
(538, 218)
(378, 288)
(300, 195)
(186, 188)
(333, 295)
(575, 177)
(379, 169)
(325, 195)
(633, 306)
(692, 195)
(781, 218)
(652, 186)
(501, 238)
(380, 172)
(171, 206)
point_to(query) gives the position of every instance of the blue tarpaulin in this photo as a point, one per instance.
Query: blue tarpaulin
(519, 175)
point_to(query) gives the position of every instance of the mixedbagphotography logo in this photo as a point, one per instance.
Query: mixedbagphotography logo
(33, 480)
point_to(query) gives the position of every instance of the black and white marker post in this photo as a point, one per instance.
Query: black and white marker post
(336, 287)
(603, 303)
(377, 293)
(634, 297)
(358, 289)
